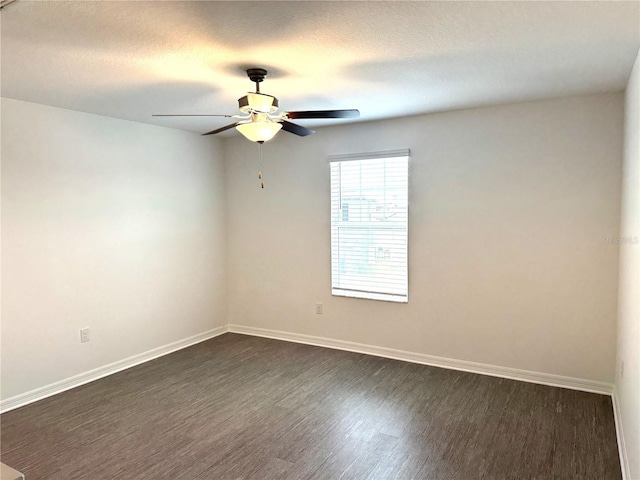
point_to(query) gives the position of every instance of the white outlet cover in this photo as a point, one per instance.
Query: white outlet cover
(84, 335)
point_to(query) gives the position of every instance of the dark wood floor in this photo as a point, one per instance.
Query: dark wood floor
(252, 408)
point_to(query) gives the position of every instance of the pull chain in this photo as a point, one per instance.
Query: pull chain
(261, 166)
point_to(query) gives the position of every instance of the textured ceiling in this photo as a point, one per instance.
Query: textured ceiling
(130, 59)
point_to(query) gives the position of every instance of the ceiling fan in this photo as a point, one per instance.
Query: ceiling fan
(260, 121)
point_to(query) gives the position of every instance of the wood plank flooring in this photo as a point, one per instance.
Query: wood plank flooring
(241, 407)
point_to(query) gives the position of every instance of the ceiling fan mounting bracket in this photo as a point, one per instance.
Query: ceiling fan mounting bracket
(257, 74)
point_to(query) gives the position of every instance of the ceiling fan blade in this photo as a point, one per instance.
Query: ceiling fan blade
(296, 129)
(222, 129)
(195, 115)
(324, 114)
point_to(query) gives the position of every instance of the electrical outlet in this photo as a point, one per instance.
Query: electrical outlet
(318, 309)
(622, 369)
(84, 335)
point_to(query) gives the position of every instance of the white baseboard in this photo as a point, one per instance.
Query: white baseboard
(86, 377)
(622, 447)
(463, 365)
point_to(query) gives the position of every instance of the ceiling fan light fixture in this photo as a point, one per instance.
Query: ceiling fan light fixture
(262, 131)
(258, 102)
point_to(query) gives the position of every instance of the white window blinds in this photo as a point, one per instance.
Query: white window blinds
(369, 225)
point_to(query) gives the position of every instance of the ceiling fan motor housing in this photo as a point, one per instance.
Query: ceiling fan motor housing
(258, 102)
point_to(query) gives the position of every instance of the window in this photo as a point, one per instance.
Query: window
(369, 225)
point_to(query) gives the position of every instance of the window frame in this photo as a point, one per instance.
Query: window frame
(343, 291)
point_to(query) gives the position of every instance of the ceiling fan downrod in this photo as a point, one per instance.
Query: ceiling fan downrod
(257, 75)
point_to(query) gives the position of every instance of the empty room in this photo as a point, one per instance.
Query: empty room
(320, 240)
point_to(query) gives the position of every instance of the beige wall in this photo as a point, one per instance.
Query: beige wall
(628, 385)
(510, 207)
(106, 224)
